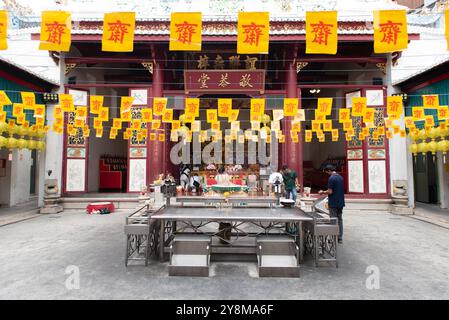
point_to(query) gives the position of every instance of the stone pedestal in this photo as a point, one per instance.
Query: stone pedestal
(51, 204)
(400, 205)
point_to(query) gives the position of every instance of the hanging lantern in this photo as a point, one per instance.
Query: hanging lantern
(413, 149)
(3, 127)
(11, 143)
(32, 144)
(422, 148)
(22, 131)
(40, 145)
(433, 133)
(22, 144)
(422, 135)
(40, 134)
(432, 147)
(443, 146)
(12, 129)
(3, 142)
(182, 118)
(413, 135)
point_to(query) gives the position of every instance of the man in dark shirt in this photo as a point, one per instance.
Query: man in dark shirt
(336, 197)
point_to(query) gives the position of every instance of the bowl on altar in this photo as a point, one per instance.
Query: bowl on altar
(288, 203)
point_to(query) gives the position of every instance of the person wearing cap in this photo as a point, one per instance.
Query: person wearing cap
(336, 196)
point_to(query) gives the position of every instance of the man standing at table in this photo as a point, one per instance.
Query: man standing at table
(290, 182)
(336, 197)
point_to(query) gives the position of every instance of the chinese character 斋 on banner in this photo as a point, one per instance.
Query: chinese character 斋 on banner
(253, 32)
(118, 32)
(390, 31)
(55, 31)
(321, 32)
(185, 31)
(3, 29)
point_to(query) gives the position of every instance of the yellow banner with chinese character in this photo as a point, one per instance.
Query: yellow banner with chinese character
(418, 113)
(233, 115)
(324, 106)
(394, 106)
(224, 107)
(55, 31)
(17, 109)
(253, 32)
(104, 114)
(192, 107)
(167, 116)
(430, 101)
(290, 107)
(358, 106)
(126, 104)
(147, 114)
(321, 32)
(96, 102)
(443, 112)
(4, 99)
(28, 100)
(257, 107)
(390, 31)
(66, 102)
(344, 115)
(185, 31)
(211, 115)
(159, 105)
(118, 32)
(3, 29)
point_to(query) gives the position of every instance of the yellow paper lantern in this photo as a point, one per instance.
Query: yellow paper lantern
(422, 135)
(422, 147)
(3, 142)
(432, 146)
(443, 146)
(11, 143)
(413, 149)
(40, 145)
(3, 127)
(413, 135)
(12, 130)
(40, 134)
(22, 131)
(32, 144)
(22, 144)
(433, 133)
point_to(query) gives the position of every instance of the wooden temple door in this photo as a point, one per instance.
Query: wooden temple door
(138, 148)
(367, 161)
(75, 149)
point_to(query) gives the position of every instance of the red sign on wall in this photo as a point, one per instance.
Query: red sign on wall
(224, 81)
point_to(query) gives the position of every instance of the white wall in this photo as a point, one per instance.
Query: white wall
(443, 180)
(5, 182)
(20, 176)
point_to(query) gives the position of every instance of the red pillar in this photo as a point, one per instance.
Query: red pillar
(292, 152)
(156, 150)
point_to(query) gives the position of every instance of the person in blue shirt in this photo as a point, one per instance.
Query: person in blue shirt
(336, 196)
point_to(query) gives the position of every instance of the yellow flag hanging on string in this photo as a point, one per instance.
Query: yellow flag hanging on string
(358, 106)
(96, 102)
(224, 107)
(253, 32)
(211, 115)
(192, 107)
(167, 116)
(390, 31)
(324, 106)
(55, 31)
(4, 99)
(66, 102)
(118, 32)
(3, 29)
(159, 105)
(185, 31)
(28, 100)
(394, 106)
(290, 107)
(321, 32)
(233, 115)
(430, 101)
(257, 106)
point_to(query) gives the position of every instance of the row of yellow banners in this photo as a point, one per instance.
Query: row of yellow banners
(390, 31)
(159, 116)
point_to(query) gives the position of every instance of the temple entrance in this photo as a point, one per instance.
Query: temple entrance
(316, 155)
